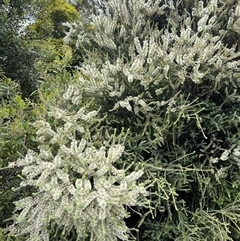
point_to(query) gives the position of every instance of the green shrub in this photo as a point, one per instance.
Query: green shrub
(155, 106)
(16, 137)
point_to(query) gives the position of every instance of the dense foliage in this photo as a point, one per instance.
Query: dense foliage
(143, 141)
(49, 19)
(25, 65)
(16, 58)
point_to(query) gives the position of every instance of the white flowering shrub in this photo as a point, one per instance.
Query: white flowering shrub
(77, 184)
(156, 101)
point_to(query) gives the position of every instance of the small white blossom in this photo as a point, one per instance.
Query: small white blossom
(225, 155)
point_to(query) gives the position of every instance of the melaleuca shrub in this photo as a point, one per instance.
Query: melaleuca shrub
(161, 84)
(86, 191)
(79, 184)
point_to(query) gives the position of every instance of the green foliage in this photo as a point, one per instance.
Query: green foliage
(17, 135)
(2, 236)
(16, 58)
(17, 115)
(45, 35)
(155, 106)
(21, 49)
(16, 10)
(23, 64)
(56, 71)
(50, 18)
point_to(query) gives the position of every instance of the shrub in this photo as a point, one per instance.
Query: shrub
(16, 136)
(156, 102)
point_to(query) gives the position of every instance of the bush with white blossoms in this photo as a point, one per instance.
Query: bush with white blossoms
(154, 110)
(78, 186)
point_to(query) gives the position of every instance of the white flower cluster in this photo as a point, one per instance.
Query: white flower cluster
(78, 188)
(236, 155)
(233, 153)
(151, 56)
(78, 180)
(234, 20)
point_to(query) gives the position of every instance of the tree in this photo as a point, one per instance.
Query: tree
(16, 58)
(46, 32)
(26, 28)
(49, 19)
(148, 127)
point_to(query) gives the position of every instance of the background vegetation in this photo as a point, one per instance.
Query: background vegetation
(160, 79)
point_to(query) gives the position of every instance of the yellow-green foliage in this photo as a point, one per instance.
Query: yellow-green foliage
(16, 136)
(51, 16)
